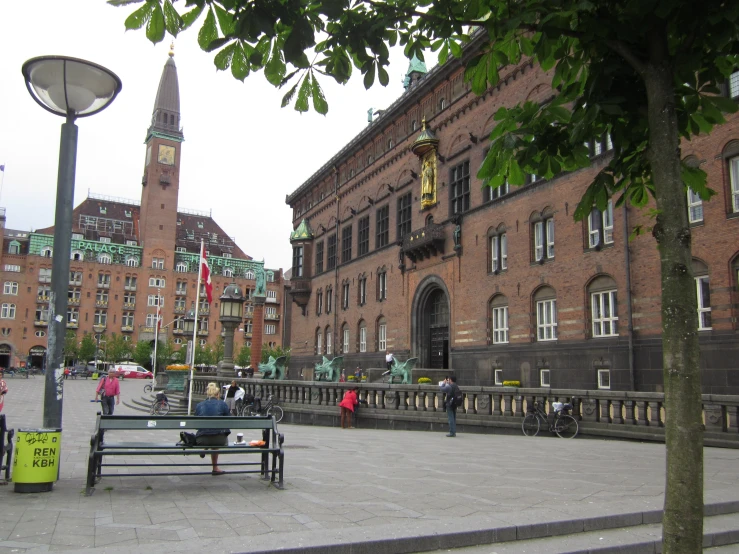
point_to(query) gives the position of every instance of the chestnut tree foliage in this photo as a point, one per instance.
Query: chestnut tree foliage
(647, 73)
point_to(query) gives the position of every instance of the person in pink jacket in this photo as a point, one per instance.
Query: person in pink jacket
(347, 405)
(109, 391)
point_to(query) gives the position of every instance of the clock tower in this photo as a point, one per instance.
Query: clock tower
(161, 180)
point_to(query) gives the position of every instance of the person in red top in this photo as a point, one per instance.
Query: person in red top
(347, 405)
(108, 389)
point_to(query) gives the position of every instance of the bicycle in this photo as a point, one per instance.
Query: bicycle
(563, 423)
(160, 406)
(269, 409)
(151, 386)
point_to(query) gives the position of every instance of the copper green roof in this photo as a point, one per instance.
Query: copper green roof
(303, 232)
(425, 140)
(415, 66)
(165, 119)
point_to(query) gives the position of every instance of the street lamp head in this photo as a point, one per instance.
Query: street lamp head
(232, 302)
(70, 87)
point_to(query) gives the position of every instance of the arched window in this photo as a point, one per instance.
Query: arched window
(362, 332)
(228, 272)
(47, 251)
(389, 144)
(319, 342)
(703, 293)
(249, 274)
(329, 342)
(104, 258)
(442, 103)
(132, 261)
(545, 306)
(542, 236)
(499, 319)
(181, 267)
(414, 125)
(497, 249)
(77, 255)
(603, 307)
(381, 334)
(345, 338)
(731, 159)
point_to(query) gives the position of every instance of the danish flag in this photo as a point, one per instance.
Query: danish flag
(206, 274)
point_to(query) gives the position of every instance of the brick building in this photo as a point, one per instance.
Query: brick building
(130, 256)
(397, 246)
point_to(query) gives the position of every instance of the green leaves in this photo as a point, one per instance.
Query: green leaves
(208, 32)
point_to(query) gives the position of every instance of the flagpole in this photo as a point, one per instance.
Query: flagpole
(2, 179)
(156, 334)
(195, 327)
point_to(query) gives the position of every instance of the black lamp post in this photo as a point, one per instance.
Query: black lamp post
(70, 88)
(189, 326)
(231, 314)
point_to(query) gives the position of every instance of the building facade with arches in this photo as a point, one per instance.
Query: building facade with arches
(501, 284)
(133, 258)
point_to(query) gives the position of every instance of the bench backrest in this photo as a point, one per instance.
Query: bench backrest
(184, 423)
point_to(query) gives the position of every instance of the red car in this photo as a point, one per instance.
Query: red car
(130, 371)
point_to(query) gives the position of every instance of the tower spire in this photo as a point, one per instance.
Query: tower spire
(165, 119)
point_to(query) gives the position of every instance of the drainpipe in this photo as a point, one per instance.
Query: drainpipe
(629, 310)
(335, 292)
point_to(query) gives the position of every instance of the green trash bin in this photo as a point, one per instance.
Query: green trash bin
(36, 461)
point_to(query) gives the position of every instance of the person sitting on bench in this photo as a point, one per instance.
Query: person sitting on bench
(212, 406)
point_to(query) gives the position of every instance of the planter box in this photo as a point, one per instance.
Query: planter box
(176, 379)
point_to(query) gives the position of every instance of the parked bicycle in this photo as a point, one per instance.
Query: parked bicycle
(160, 406)
(562, 423)
(253, 407)
(151, 386)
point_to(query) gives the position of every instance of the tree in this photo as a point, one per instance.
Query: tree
(243, 358)
(142, 353)
(165, 349)
(71, 349)
(117, 349)
(218, 350)
(87, 348)
(204, 355)
(645, 72)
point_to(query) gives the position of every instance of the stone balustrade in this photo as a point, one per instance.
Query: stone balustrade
(616, 414)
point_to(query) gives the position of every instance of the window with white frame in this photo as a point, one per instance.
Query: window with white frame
(329, 299)
(130, 282)
(499, 319)
(101, 318)
(44, 275)
(600, 226)
(73, 315)
(7, 311)
(362, 337)
(382, 336)
(132, 261)
(498, 252)
(42, 313)
(734, 178)
(151, 320)
(319, 302)
(157, 282)
(181, 267)
(362, 290)
(703, 290)
(345, 343)
(319, 342)
(695, 207)
(345, 296)
(270, 329)
(604, 378)
(228, 272)
(40, 334)
(272, 294)
(544, 238)
(603, 307)
(733, 85)
(499, 377)
(127, 319)
(105, 258)
(10, 287)
(544, 378)
(203, 342)
(382, 285)
(13, 267)
(546, 314)
(14, 247)
(495, 193)
(47, 252)
(155, 300)
(157, 263)
(104, 280)
(329, 341)
(249, 274)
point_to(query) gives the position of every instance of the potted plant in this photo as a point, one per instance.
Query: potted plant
(176, 374)
(424, 380)
(511, 384)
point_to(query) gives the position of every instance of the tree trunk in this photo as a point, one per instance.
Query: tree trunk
(683, 515)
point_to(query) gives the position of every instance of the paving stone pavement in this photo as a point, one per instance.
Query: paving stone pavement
(341, 487)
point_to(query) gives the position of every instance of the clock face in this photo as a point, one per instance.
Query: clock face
(166, 154)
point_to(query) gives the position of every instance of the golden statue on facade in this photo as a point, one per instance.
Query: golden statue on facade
(425, 148)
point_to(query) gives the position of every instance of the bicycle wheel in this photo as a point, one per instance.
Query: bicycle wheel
(530, 425)
(162, 408)
(148, 388)
(276, 411)
(566, 427)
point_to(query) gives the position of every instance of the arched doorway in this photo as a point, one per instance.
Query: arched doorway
(37, 357)
(430, 324)
(5, 355)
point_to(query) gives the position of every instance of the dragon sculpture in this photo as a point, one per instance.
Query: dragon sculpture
(402, 370)
(274, 368)
(330, 369)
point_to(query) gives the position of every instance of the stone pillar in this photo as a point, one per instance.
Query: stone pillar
(226, 365)
(257, 331)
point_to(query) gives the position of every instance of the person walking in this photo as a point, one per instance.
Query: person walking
(3, 390)
(231, 396)
(347, 405)
(450, 389)
(212, 406)
(109, 392)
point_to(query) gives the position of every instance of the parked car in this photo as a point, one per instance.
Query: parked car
(130, 371)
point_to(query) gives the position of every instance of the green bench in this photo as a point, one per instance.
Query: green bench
(110, 426)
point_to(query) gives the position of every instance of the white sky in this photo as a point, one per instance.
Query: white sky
(242, 153)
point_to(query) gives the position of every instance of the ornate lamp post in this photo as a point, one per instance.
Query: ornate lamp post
(231, 315)
(71, 88)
